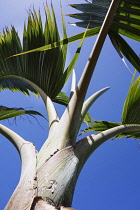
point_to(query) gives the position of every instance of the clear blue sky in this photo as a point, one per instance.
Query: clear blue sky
(110, 179)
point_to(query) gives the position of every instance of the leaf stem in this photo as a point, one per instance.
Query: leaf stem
(78, 98)
(86, 146)
(52, 114)
(28, 178)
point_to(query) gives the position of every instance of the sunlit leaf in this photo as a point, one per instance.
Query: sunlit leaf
(99, 126)
(62, 98)
(131, 109)
(77, 37)
(46, 69)
(87, 119)
(126, 22)
(43, 68)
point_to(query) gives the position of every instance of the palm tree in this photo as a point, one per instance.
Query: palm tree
(49, 176)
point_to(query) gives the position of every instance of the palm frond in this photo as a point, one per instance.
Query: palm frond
(6, 112)
(16, 85)
(124, 48)
(46, 69)
(99, 126)
(61, 98)
(93, 15)
(77, 37)
(131, 109)
(126, 22)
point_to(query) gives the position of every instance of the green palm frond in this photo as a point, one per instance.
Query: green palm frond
(124, 48)
(99, 126)
(42, 67)
(126, 22)
(93, 12)
(87, 120)
(46, 69)
(16, 85)
(131, 109)
(6, 112)
(62, 98)
(93, 15)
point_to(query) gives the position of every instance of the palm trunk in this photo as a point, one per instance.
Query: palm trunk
(52, 185)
